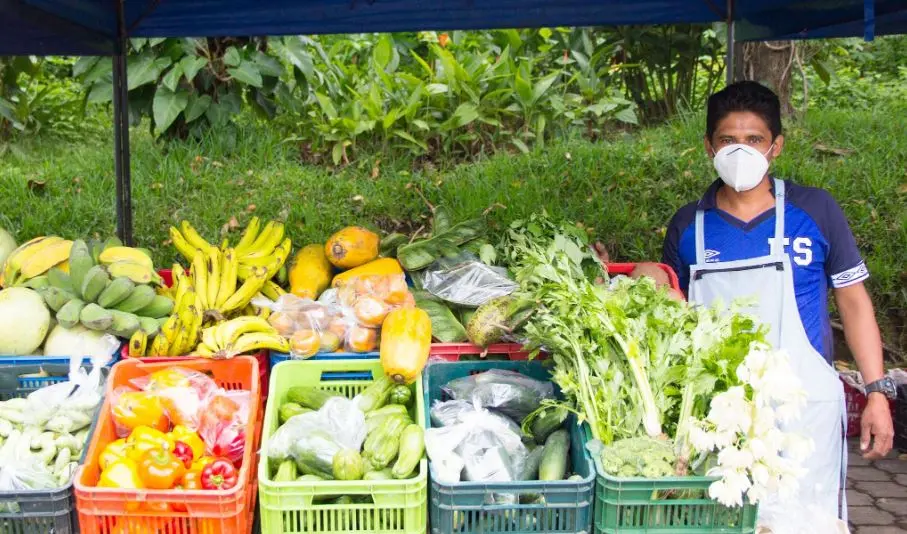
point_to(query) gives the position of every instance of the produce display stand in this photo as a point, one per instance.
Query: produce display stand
(626, 268)
(40, 511)
(107, 510)
(461, 507)
(671, 505)
(397, 507)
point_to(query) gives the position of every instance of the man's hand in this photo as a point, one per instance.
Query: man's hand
(601, 252)
(876, 428)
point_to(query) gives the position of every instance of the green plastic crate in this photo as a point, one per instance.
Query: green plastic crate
(631, 506)
(461, 508)
(397, 507)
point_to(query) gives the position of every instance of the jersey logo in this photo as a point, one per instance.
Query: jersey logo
(803, 252)
(711, 255)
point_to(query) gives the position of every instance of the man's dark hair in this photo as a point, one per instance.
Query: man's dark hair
(744, 96)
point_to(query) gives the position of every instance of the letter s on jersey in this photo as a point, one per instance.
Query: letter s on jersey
(803, 252)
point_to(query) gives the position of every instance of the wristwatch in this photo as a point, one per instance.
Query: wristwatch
(885, 386)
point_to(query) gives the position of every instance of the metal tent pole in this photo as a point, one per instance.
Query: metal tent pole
(121, 131)
(731, 60)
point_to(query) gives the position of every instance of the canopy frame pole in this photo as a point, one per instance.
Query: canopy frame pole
(121, 131)
(731, 59)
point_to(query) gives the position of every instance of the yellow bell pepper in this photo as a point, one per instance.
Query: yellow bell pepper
(114, 451)
(190, 438)
(199, 464)
(145, 438)
(123, 474)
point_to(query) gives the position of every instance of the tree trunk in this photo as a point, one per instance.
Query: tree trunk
(771, 64)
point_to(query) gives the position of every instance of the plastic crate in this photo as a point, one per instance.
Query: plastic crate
(461, 507)
(632, 506)
(57, 367)
(455, 352)
(40, 511)
(855, 401)
(398, 506)
(114, 510)
(264, 370)
(627, 268)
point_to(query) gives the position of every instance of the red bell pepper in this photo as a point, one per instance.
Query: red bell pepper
(220, 474)
(184, 452)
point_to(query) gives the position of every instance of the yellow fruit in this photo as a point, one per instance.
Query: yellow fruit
(379, 267)
(305, 343)
(405, 344)
(329, 342)
(370, 311)
(361, 339)
(351, 247)
(311, 272)
(283, 323)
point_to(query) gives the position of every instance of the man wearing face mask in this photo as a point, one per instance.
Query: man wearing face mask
(755, 235)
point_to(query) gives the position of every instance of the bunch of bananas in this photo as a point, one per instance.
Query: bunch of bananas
(33, 259)
(215, 292)
(257, 247)
(107, 288)
(239, 335)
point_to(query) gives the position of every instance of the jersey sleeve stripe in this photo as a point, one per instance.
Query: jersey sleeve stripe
(851, 276)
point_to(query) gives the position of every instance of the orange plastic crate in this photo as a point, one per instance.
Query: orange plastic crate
(121, 511)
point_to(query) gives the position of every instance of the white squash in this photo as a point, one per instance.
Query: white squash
(7, 245)
(79, 341)
(24, 321)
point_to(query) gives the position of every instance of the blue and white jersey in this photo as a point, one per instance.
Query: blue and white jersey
(817, 237)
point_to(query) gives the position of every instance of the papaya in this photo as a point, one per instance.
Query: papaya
(379, 267)
(311, 272)
(351, 247)
(405, 344)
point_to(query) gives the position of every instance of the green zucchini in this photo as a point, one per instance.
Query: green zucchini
(554, 459)
(384, 474)
(286, 472)
(412, 446)
(545, 421)
(375, 395)
(530, 470)
(390, 409)
(312, 398)
(288, 410)
(309, 478)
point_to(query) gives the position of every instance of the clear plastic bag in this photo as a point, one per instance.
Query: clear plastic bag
(340, 419)
(66, 405)
(222, 424)
(792, 516)
(182, 393)
(20, 469)
(508, 392)
(453, 412)
(466, 281)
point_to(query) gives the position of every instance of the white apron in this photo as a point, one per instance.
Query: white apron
(824, 419)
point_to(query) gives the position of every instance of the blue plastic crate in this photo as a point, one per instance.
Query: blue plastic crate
(566, 505)
(40, 511)
(57, 367)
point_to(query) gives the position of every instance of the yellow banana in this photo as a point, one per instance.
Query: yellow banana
(178, 344)
(213, 264)
(182, 245)
(24, 253)
(209, 337)
(186, 309)
(115, 254)
(281, 253)
(177, 272)
(194, 238)
(272, 290)
(44, 258)
(224, 245)
(138, 344)
(246, 291)
(192, 337)
(260, 239)
(160, 346)
(204, 350)
(255, 311)
(63, 265)
(257, 341)
(169, 328)
(244, 271)
(248, 236)
(200, 274)
(226, 333)
(265, 244)
(228, 277)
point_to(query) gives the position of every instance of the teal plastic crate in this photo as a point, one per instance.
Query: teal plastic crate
(646, 506)
(55, 367)
(461, 507)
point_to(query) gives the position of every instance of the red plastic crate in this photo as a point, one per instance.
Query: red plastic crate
(123, 511)
(454, 351)
(627, 268)
(856, 403)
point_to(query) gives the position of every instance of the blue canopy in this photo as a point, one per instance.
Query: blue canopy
(86, 27)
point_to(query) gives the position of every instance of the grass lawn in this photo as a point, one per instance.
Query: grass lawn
(625, 188)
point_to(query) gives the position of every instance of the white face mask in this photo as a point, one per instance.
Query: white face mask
(741, 166)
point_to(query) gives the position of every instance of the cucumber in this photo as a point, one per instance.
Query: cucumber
(384, 474)
(530, 470)
(412, 446)
(375, 395)
(286, 472)
(545, 422)
(288, 410)
(554, 459)
(310, 397)
(309, 478)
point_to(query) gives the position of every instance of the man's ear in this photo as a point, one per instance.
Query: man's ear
(778, 146)
(707, 143)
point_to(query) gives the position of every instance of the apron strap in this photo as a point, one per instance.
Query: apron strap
(778, 242)
(700, 237)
